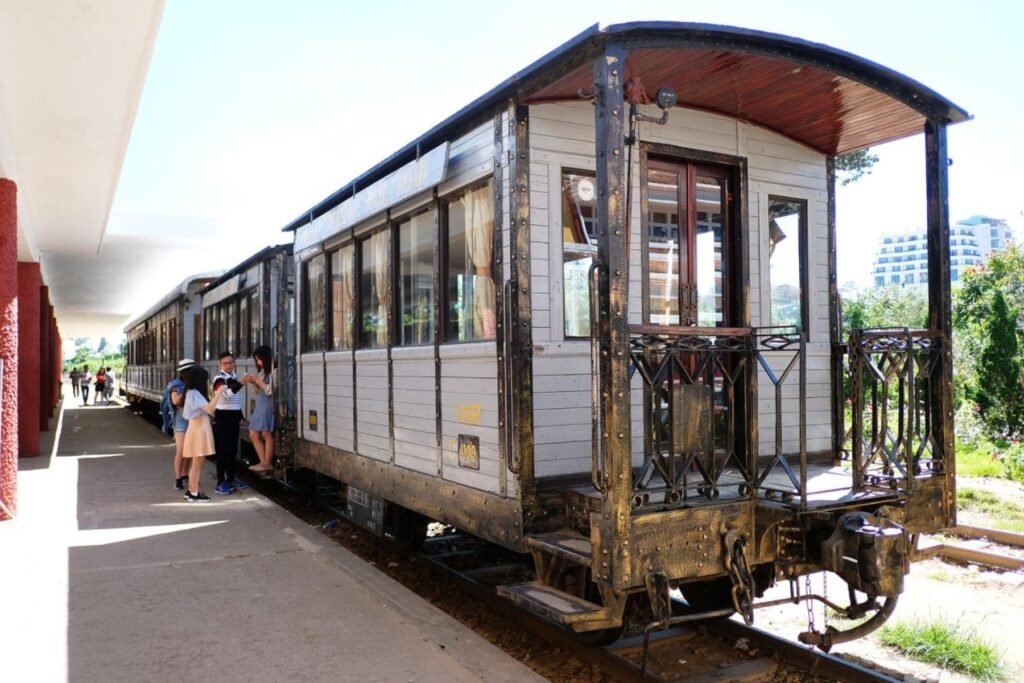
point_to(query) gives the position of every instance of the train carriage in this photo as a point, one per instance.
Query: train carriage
(250, 305)
(160, 337)
(594, 316)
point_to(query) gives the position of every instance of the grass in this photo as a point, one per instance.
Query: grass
(1005, 515)
(977, 462)
(947, 645)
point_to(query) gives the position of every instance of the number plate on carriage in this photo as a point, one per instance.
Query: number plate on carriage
(469, 451)
(365, 510)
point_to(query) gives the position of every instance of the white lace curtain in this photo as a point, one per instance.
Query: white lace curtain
(347, 292)
(379, 246)
(480, 247)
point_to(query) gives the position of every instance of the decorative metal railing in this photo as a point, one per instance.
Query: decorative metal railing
(700, 405)
(892, 429)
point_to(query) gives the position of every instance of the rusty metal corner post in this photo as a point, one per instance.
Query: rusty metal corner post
(521, 313)
(613, 327)
(940, 314)
(835, 317)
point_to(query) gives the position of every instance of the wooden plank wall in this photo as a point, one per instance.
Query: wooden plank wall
(562, 137)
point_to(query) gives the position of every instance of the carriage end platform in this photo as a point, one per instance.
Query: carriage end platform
(119, 579)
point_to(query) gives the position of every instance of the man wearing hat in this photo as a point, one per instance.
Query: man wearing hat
(176, 392)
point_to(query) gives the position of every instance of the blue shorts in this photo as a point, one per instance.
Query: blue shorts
(180, 423)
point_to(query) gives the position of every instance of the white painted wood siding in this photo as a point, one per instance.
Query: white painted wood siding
(372, 422)
(415, 408)
(311, 396)
(562, 138)
(469, 405)
(340, 424)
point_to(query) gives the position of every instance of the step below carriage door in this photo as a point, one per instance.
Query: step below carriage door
(687, 283)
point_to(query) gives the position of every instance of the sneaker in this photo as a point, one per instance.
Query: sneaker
(196, 498)
(237, 485)
(179, 483)
(223, 488)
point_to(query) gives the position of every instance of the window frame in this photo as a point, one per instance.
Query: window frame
(563, 172)
(306, 289)
(357, 340)
(804, 237)
(432, 207)
(337, 249)
(443, 204)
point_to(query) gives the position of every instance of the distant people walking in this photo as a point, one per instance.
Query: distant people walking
(198, 442)
(111, 378)
(101, 385)
(175, 420)
(261, 421)
(225, 425)
(75, 377)
(84, 381)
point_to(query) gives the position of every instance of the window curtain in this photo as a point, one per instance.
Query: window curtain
(379, 245)
(480, 247)
(347, 293)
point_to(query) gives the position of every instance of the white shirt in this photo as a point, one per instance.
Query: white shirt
(194, 403)
(230, 400)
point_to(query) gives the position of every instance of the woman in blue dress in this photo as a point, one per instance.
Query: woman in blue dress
(261, 421)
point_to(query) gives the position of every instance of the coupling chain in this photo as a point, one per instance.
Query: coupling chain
(739, 573)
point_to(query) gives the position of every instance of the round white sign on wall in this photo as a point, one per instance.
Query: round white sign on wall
(585, 189)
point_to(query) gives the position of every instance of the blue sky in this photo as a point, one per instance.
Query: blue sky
(253, 111)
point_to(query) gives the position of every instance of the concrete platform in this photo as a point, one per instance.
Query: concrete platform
(116, 578)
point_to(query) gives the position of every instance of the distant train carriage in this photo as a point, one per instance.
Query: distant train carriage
(160, 337)
(251, 305)
(594, 315)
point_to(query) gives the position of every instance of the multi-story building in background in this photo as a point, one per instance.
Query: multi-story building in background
(902, 258)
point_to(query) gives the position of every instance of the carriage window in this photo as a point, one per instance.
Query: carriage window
(341, 298)
(231, 328)
(244, 341)
(468, 280)
(579, 248)
(373, 291)
(254, 319)
(313, 293)
(172, 340)
(416, 280)
(219, 332)
(207, 334)
(787, 234)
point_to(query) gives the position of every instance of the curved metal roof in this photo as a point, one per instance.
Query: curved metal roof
(828, 99)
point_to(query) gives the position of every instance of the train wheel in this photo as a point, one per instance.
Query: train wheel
(406, 528)
(705, 596)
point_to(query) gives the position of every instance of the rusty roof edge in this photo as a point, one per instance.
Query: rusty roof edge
(180, 290)
(888, 81)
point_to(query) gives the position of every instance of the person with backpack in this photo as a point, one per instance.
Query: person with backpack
(174, 423)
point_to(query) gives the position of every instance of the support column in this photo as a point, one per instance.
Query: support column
(30, 376)
(45, 358)
(8, 348)
(613, 326)
(940, 315)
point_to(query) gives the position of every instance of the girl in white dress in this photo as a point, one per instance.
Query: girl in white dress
(199, 436)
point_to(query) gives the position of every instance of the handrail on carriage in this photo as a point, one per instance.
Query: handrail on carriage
(688, 331)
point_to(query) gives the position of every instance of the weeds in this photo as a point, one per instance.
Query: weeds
(1004, 514)
(948, 645)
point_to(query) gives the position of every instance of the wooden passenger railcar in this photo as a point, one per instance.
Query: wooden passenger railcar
(250, 305)
(160, 337)
(594, 315)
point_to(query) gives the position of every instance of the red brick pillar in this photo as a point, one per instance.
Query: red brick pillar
(8, 348)
(45, 359)
(29, 353)
(56, 371)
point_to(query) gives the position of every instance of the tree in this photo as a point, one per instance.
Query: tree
(997, 386)
(855, 165)
(889, 306)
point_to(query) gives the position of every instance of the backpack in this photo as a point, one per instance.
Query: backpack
(167, 410)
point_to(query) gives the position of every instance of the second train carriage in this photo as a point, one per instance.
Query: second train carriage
(160, 337)
(594, 315)
(250, 305)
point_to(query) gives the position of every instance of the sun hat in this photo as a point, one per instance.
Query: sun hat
(185, 364)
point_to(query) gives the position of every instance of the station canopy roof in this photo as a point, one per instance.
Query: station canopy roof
(827, 99)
